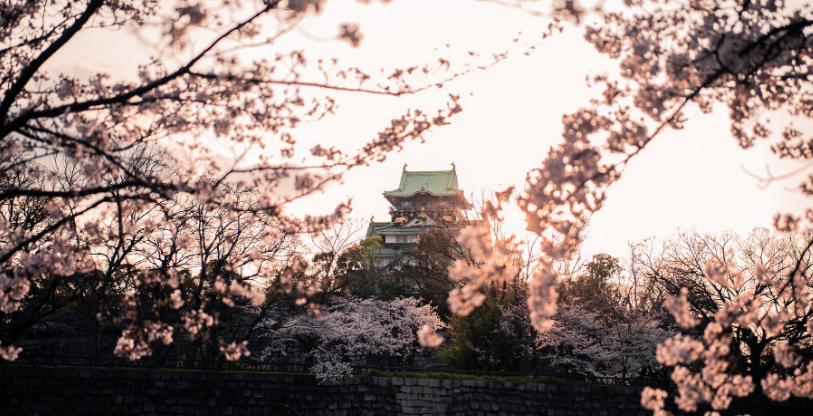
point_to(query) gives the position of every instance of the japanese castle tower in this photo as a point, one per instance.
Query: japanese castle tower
(423, 201)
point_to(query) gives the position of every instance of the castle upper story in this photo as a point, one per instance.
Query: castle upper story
(423, 200)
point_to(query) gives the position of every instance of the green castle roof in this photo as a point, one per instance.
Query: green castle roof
(373, 228)
(437, 182)
(378, 228)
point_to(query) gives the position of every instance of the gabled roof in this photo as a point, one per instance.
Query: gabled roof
(435, 182)
(378, 228)
(373, 228)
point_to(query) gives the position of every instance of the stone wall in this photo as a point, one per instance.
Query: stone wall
(53, 391)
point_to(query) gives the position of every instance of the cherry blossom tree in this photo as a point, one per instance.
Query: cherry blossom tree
(202, 259)
(583, 343)
(198, 94)
(351, 327)
(744, 304)
(604, 325)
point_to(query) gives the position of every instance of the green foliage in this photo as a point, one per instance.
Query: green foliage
(596, 290)
(323, 262)
(356, 267)
(423, 271)
(480, 343)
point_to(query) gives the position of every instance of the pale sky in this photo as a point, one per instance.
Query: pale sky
(685, 179)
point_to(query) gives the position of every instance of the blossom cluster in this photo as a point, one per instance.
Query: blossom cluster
(350, 327)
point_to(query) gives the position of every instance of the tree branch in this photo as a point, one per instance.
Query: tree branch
(37, 63)
(121, 98)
